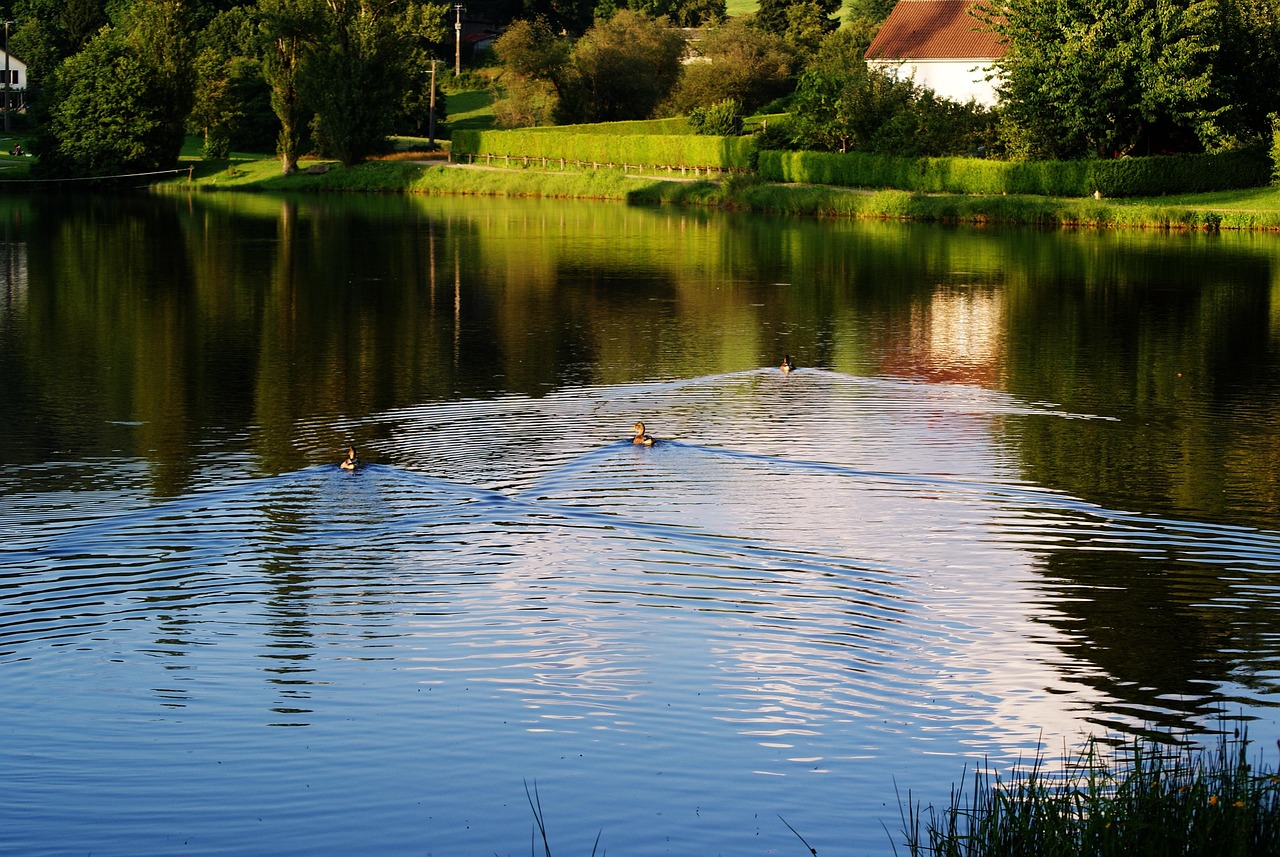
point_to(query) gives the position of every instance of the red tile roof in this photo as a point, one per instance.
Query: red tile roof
(934, 29)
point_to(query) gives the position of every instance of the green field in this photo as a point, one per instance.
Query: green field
(471, 109)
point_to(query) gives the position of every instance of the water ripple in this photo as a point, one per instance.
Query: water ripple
(814, 579)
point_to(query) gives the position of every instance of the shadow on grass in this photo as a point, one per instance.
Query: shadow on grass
(471, 110)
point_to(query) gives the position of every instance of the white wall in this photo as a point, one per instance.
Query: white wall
(17, 72)
(959, 80)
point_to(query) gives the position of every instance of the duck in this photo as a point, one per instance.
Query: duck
(641, 438)
(352, 462)
(787, 364)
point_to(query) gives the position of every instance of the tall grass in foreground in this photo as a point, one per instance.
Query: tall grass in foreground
(1140, 798)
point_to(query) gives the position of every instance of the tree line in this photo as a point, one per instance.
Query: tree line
(121, 82)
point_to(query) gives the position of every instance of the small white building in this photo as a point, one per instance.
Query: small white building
(941, 45)
(17, 71)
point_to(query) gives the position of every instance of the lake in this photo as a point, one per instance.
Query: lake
(1024, 487)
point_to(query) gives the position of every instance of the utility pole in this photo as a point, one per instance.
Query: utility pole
(457, 47)
(431, 121)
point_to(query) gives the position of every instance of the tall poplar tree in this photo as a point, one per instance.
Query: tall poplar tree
(288, 31)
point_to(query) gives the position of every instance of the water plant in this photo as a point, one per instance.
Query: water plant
(540, 822)
(1133, 797)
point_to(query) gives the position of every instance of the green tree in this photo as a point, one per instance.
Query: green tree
(107, 118)
(356, 73)
(868, 12)
(232, 100)
(684, 13)
(622, 68)
(525, 102)
(845, 109)
(843, 49)
(48, 31)
(421, 29)
(774, 16)
(1275, 150)
(350, 78)
(161, 33)
(571, 17)
(1104, 78)
(121, 103)
(1248, 38)
(532, 48)
(738, 62)
(841, 105)
(534, 61)
(807, 25)
(288, 33)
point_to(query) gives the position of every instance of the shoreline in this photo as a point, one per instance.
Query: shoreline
(1251, 210)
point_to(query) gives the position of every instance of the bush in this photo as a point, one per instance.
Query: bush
(1275, 149)
(217, 144)
(775, 133)
(723, 119)
(735, 61)
(622, 68)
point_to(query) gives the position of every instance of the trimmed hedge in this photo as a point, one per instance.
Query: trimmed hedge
(665, 150)
(673, 125)
(1154, 176)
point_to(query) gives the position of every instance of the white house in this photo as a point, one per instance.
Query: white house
(17, 71)
(941, 45)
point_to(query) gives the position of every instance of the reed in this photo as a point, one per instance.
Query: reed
(1139, 797)
(540, 823)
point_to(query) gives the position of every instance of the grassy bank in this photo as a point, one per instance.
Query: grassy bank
(1139, 797)
(1254, 209)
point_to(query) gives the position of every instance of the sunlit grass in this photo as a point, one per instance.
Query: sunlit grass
(472, 109)
(1135, 798)
(410, 171)
(1250, 199)
(15, 166)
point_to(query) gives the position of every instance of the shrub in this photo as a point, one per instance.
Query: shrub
(723, 119)
(775, 133)
(1275, 148)
(735, 61)
(622, 68)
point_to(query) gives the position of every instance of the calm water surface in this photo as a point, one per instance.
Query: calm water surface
(1025, 487)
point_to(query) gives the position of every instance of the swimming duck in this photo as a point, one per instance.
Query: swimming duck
(641, 438)
(787, 365)
(352, 461)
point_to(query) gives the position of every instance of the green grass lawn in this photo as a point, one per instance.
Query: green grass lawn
(1249, 199)
(15, 165)
(470, 109)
